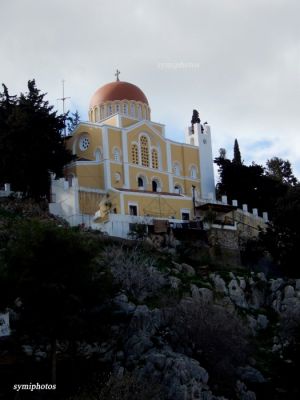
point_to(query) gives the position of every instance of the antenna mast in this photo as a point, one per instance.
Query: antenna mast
(63, 99)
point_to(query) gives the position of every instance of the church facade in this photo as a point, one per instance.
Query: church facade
(127, 171)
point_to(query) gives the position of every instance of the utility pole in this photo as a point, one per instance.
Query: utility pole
(63, 99)
(194, 200)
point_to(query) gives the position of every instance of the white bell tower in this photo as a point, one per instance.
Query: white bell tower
(200, 135)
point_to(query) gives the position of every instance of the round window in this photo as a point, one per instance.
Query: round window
(84, 143)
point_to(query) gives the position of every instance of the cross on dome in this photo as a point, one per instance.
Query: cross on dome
(117, 74)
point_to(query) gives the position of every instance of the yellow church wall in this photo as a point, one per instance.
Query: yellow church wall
(90, 176)
(190, 157)
(158, 206)
(186, 157)
(158, 127)
(134, 133)
(186, 185)
(150, 174)
(94, 135)
(128, 121)
(155, 141)
(111, 121)
(114, 141)
(177, 156)
(160, 142)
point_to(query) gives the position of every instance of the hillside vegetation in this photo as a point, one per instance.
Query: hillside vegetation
(113, 319)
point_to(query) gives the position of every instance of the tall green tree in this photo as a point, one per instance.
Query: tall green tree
(248, 184)
(281, 170)
(31, 145)
(237, 159)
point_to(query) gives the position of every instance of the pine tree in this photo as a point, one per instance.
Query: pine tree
(31, 145)
(73, 121)
(237, 159)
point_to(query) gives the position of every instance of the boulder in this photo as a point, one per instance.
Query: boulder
(262, 321)
(257, 298)
(206, 295)
(289, 292)
(276, 284)
(250, 374)
(243, 393)
(236, 294)
(195, 292)
(219, 283)
(188, 269)
(183, 377)
(261, 276)
(174, 282)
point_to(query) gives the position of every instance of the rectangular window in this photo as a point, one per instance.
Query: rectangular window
(185, 216)
(132, 209)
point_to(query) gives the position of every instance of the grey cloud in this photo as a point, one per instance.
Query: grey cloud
(246, 83)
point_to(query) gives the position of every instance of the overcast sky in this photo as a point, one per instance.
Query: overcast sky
(236, 61)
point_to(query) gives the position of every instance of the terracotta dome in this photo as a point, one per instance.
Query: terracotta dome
(117, 90)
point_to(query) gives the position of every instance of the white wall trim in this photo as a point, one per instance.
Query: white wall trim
(106, 156)
(125, 159)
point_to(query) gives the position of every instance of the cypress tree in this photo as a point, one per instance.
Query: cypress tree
(237, 159)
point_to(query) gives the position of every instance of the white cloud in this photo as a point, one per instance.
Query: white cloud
(246, 81)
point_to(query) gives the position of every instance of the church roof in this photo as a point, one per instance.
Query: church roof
(117, 90)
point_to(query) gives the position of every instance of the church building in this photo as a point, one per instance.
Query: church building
(127, 171)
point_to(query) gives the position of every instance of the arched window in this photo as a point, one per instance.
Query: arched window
(102, 112)
(154, 158)
(117, 108)
(134, 154)
(193, 172)
(116, 155)
(92, 116)
(176, 169)
(178, 189)
(144, 151)
(117, 176)
(125, 108)
(154, 186)
(139, 111)
(96, 114)
(142, 182)
(98, 155)
(109, 110)
(132, 110)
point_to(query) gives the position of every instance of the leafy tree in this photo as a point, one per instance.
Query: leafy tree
(281, 170)
(237, 159)
(31, 146)
(248, 184)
